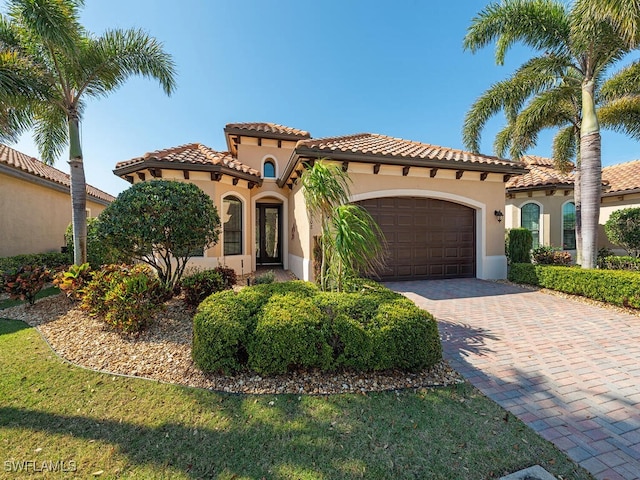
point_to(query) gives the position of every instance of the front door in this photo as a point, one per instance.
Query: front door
(268, 234)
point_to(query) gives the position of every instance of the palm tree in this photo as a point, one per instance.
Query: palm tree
(73, 64)
(564, 87)
(350, 239)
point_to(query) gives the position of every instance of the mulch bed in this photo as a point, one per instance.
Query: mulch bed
(163, 352)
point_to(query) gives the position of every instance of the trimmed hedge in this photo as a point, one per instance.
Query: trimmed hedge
(617, 287)
(51, 260)
(614, 262)
(279, 327)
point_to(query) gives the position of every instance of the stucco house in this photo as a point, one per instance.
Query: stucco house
(436, 206)
(35, 204)
(542, 200)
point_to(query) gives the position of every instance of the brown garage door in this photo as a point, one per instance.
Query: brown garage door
(426, 238)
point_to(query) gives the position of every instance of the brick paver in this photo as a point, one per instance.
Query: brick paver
(569, 370)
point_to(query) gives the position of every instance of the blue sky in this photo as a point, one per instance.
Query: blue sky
(331, 67)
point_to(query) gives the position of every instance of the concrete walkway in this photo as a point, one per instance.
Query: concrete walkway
(569, 370)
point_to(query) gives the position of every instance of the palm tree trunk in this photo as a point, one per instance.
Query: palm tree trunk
(577, 201)
(590, 176)
(78, 192)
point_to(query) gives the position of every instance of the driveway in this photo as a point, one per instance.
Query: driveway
(569, 370)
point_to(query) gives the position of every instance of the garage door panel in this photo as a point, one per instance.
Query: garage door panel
(426, 238)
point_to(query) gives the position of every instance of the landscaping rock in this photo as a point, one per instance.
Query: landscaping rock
(163, 353)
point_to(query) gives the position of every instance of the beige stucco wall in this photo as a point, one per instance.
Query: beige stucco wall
(33, 217)
(483, 196)
(609, 205)
(550, 211)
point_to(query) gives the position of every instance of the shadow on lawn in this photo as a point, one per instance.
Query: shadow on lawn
(11, 326)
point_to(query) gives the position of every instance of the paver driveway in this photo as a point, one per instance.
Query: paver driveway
(569, 370)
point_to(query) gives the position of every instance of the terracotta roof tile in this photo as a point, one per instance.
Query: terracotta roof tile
(191, 154)
(268, 128)
(381, 145)
(33, 166)
(542, 172)
(622, 177)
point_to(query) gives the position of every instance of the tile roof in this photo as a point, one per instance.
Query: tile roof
(542, 172)
(268, 128)
(190, 154)
(25, 163)
(373, 144)
(622, 177)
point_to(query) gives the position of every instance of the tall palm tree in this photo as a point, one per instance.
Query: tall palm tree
(74, 65)
(564, 87)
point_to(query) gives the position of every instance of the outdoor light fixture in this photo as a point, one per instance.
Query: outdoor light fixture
(499, 215)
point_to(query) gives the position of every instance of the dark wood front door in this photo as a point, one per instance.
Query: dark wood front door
(426, 238)
(268, 234)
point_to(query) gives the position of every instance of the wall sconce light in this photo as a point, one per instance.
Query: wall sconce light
(499, 215)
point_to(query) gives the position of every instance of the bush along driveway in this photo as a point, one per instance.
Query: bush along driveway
(568, 369)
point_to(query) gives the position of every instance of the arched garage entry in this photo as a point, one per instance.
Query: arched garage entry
(427, 238)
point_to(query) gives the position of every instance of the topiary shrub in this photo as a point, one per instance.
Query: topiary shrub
(274, 328)
(200, 285)
(220, 331)
(26, 282)
(161, 223)
(288, 335)
(623, 228)
(519, 244)
(73, 281)
(404, 336)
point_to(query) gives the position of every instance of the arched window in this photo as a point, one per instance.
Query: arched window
(531, 221)
(569, 226)
(232, 225)
(269, 169)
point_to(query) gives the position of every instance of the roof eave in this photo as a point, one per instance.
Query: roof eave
(618, 193)
(546, 186)
(259, 134)
(193, 167)
(305, 152)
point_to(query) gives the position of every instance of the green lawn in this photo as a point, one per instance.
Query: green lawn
(117, 427)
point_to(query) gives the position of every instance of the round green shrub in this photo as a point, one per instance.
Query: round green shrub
(220, 329)
(404, 336)
(288, 335)
(350, 342)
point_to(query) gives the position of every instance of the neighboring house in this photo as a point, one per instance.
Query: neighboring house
(436, 206)
(35, 204)
(542, 201)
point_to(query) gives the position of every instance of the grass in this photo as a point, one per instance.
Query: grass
(116, 427)
(45, 292)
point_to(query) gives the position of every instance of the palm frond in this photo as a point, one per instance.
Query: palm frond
(565, 147)
(51, 133)
(553, 108)
(107, 62)
(622, 83)
(508, 96)
(622, 115)
(623, 15)
(542, 25)
(324, 186)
